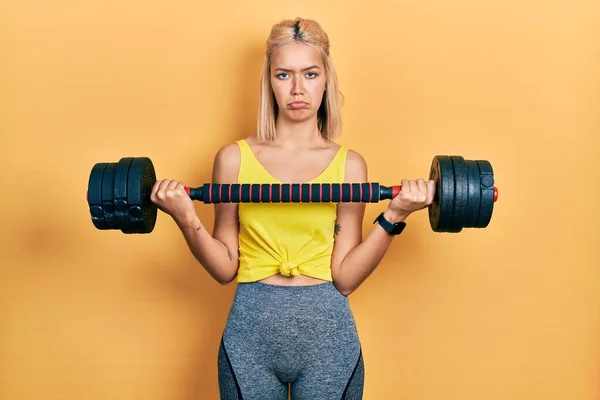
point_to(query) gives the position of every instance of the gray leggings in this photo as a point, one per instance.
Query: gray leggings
(304, 336)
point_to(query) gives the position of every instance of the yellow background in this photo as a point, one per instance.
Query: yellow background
(508, 312)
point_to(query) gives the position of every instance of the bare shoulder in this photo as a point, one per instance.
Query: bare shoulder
(226, 163)
(228, 156)
(356, 167)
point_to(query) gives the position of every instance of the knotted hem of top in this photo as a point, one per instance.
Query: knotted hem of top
(287, 268)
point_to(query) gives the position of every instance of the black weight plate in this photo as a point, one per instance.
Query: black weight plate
(94, 195)
(434, 208)
(134, 195)
(440, 211)
(474, 195)
(142, 212)
(121, 207)
(461, 189)
(486, 174)
(148, 180)
(108, 196)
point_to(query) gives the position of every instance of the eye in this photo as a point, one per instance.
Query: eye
(311, 75)
(282, 75)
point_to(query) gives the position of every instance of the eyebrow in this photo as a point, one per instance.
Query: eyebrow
(304, 69)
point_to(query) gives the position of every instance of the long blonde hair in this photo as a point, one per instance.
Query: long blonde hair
(311, 33)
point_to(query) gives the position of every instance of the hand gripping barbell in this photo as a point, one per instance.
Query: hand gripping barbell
(119, 194)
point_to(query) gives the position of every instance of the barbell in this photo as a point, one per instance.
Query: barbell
(118, 194)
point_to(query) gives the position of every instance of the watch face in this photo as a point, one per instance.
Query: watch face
(398, 227)
(392, 229)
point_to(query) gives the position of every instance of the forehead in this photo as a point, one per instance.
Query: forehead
(295, 55)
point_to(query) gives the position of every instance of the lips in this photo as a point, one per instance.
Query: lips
(296, 105)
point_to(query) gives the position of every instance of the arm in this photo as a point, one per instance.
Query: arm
(217, 253)
(353, 258)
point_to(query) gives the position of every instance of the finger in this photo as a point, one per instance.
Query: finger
(180, 187)
(164, 184)
(405, 185)
(161, 194)
(422, 190)
(158, 188)
(172, 185)
(422, 185)
(155, 188)
(412, 185)
(430, 191)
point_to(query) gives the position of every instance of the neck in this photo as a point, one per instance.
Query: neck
(297, 135)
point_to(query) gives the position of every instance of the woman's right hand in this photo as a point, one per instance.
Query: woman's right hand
(171, 198)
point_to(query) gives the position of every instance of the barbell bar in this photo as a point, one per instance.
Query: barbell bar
(118, 194)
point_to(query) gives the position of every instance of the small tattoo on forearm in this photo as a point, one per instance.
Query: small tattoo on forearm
(337, 229)
(229, 254)
(198, 229)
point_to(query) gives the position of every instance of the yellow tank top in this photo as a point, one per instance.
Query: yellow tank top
(288, 238)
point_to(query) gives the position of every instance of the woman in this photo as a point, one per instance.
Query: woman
(290, 326)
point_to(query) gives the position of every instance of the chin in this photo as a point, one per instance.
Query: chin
(300, 115)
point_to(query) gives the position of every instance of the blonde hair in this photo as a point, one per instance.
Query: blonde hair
(311, 33)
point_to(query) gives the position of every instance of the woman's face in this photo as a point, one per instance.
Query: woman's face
(298, 81)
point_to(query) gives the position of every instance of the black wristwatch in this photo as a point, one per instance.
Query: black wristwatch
(391, 228)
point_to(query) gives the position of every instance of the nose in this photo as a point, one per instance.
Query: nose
(297, 87)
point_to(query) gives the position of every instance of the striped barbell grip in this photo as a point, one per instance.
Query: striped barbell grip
(370, 192)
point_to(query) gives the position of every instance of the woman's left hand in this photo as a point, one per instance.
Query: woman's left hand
(415, 195)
